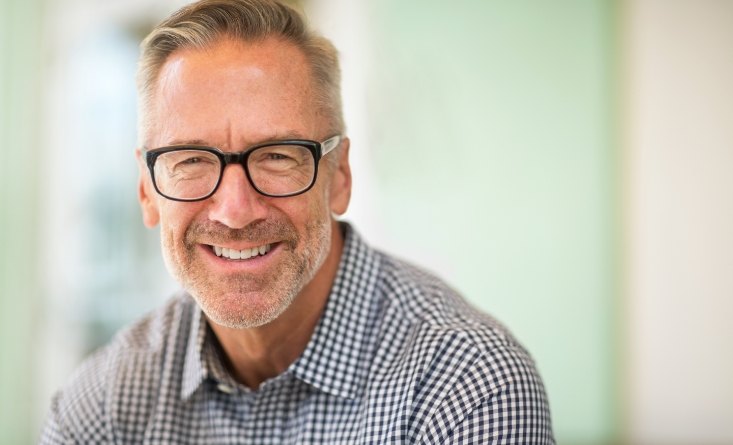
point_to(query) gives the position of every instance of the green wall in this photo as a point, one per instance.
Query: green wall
(491, 130)
(20, 37)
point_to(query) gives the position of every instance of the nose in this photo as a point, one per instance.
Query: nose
(235, 203)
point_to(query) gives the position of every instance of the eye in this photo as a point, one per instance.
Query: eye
(187, 162)
(277, 156)
(193, 159)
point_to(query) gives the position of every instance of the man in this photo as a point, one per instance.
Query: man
(290, 329)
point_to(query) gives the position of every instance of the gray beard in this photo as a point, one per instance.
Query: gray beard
(243, 301)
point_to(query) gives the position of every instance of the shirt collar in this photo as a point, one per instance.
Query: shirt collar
(339, 353)
(194, 367)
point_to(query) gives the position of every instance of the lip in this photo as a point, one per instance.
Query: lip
(254, 265)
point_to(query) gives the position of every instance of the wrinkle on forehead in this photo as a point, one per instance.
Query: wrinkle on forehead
(217, 93)
(234, 146)
(250, 61)
(170, 75)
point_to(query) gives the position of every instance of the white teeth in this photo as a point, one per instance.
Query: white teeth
(241, 254)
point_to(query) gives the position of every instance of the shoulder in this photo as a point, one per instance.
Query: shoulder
(125, 369)
(462, 362)
(425, 301)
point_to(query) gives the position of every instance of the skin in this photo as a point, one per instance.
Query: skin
(232, 95)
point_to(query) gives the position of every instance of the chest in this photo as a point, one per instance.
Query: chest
(292, 414)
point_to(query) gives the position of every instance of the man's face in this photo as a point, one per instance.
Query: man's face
(231, 96)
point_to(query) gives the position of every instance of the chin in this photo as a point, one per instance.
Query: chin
(244, 311)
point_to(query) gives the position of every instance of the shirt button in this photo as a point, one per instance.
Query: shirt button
(225, 388)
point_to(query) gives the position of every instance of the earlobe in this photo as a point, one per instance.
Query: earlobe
(145, 195)
(341, 181)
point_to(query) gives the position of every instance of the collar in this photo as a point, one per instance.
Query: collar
(195, 371)
(202, 360)
(338, 356)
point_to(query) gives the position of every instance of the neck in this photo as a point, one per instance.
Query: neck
(257, 354)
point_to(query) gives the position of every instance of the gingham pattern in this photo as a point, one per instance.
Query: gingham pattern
(397, 357)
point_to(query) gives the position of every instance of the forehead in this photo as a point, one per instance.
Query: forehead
(234, 93)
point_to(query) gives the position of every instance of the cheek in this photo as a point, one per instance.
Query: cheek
(175, 218)
(320, 199)
(304, 208)
(317, 208)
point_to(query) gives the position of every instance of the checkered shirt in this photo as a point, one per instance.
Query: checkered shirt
(397, 357)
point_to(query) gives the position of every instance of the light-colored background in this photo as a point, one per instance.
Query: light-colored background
(566, 164)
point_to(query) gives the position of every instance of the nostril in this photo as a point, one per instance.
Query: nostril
(236, 203)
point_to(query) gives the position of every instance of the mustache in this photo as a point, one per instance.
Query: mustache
(258, 232)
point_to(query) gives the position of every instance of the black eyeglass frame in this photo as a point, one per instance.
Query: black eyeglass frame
(317, 149)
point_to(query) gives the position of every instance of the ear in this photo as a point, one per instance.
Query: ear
(146, 194)
(341, 181)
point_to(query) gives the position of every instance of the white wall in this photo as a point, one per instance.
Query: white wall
(679, 115)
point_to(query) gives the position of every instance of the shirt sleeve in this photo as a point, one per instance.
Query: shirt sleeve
(77, 413)
(52, 432)
(513, 416)
(499, 399)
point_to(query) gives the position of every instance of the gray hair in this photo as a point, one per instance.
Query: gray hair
(202, 23)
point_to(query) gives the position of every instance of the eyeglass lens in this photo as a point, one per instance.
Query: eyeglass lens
(274, 170)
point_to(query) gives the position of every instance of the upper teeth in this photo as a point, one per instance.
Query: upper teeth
(243, 254)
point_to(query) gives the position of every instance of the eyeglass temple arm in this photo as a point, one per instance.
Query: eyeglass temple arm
(329, 144)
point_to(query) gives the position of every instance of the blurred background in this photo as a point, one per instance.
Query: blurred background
(565, 164)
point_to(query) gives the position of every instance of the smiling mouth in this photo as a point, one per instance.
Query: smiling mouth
(244, 254)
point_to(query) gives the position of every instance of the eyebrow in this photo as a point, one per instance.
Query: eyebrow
(187, 142)
(273, 137)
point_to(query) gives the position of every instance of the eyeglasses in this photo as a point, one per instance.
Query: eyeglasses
(278, 168)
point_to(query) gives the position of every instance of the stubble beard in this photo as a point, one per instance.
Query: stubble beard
(242, 301)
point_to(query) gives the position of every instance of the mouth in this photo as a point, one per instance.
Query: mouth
(243, 254)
